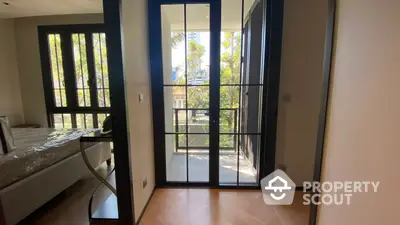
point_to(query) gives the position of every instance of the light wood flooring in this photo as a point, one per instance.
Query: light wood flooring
(71, 206)
(220, 207)
(174, 207)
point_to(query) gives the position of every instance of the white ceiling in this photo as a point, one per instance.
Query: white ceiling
(231, 9)
(26, 8)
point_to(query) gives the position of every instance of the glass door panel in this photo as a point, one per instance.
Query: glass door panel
(211, 88)
(198, 77)
(186, 54)
(175, 94)
(240, 92)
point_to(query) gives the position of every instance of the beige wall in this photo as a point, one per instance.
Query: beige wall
(300, 87)
(26, 37)
(10, 97)
(137, 80)
(362, 139)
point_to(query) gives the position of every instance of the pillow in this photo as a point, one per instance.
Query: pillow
(6, 137)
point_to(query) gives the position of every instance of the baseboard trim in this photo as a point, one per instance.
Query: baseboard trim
(145, 206)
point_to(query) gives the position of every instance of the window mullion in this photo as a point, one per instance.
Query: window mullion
(91, 69)
(73, 120)
(47, 74)
(69, 70)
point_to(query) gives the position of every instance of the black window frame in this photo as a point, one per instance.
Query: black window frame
(72, 107)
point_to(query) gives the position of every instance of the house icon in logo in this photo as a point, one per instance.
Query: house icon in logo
(278, 188)
(272, 186)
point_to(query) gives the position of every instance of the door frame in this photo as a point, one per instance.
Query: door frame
(156, 69)
(324, 106)
(270, 69)
(271, 66)
(122, 157)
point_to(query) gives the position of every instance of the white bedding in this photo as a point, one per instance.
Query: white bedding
(37, 149)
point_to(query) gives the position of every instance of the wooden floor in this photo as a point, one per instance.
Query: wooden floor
(71, 206)
(220, 207)
(174, 207)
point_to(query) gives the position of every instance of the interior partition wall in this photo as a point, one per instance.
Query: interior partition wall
(208, 89)
(83, 84)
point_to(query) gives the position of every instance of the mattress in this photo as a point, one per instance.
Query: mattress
(37, 149)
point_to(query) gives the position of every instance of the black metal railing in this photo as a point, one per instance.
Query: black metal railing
(227, 130)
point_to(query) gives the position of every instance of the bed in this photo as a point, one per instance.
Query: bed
(45, 163)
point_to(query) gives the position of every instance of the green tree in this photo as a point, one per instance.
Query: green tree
(230, 74)
(101, 69)
(198, 97)
(81, 69)
(81, 73)
(176, 37)
(57, 69)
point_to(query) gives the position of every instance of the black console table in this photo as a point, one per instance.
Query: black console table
(107, 213)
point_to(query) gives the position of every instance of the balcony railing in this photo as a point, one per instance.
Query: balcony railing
(198, 126)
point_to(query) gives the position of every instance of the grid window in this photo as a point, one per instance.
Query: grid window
(57, 70)
(84, 121)
(62, 120)
(75, 71)
(101, 69)
(81, 69)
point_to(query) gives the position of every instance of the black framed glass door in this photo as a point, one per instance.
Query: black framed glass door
(207, 91)
(190, 119)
